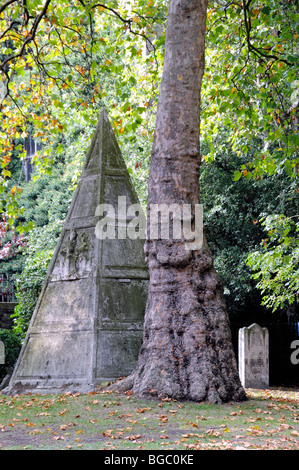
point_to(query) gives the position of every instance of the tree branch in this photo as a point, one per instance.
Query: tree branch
(126, 21)
(30, 37)
(251, 48)
(9, 28)
(26, 12)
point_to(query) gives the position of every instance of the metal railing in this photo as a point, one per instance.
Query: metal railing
(7, 288)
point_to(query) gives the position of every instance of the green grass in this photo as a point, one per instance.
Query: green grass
(269, 419)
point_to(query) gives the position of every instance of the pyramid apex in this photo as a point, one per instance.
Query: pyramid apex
(103, 115)
(104, 149)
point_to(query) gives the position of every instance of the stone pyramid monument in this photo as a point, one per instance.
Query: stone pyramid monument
(88, 322)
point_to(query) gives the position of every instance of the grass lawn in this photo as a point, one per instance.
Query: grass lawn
(268, 420)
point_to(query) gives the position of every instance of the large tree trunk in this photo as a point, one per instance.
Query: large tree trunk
(187, 351)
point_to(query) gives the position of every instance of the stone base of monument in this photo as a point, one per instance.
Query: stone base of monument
(45, 388)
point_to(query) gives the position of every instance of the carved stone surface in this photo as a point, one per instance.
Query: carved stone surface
(254, 356)
(87, 325)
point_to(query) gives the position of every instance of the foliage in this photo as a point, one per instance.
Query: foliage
(78, 62)
(10, 243)
(112, 421)
(277, 264)
(250, 106)
(61, 62)
(29, 285)
(75, 59)
(46, 202)
(232, 213)
(250, 89)
(12, 346)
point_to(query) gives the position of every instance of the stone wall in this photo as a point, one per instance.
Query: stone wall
(6, 310)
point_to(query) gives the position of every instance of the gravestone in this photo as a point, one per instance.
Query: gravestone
(254, 356)
(87, 325)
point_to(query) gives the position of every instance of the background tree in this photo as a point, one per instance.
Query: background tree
(250, 105)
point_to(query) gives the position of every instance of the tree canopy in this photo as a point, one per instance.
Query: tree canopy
(61, 62)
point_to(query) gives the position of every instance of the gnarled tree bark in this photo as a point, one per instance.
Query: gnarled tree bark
(187, 351)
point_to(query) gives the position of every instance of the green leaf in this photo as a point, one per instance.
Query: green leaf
(237, 175)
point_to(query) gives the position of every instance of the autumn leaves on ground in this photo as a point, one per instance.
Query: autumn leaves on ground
(269, 420)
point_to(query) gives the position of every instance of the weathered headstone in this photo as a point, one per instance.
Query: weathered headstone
(2, 353)
(254, 356)
(88, 322)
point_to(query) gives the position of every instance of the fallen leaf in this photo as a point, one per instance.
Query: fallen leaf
(134, 438)
(142, 410)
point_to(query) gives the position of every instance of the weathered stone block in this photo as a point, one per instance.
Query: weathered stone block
(116, 350)
(65, 303)
(122, 300)
(86, 200)
(71, 350)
